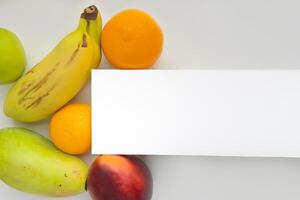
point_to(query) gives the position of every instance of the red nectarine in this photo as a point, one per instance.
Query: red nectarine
(119, 178)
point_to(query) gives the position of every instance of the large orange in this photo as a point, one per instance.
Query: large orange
(132, 40)
(70, 128)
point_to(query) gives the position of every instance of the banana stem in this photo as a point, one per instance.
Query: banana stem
(94, 22)
(90, 13)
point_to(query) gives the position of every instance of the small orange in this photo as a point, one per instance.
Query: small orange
(70, 128)
(132, 40)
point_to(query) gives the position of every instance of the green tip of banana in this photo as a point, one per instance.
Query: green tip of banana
(58, 77)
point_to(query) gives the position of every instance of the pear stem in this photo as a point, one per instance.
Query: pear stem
(90, 13)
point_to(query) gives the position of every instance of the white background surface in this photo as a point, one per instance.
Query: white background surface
(198, 33)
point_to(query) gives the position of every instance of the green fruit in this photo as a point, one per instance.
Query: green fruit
(31, 163)
(12, 57)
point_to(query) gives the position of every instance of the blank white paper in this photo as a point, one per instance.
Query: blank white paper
(196, 112)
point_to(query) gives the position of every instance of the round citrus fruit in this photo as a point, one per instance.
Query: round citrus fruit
(132, 40)
(70, 128)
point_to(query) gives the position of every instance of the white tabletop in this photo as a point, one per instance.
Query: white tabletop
(199, 33)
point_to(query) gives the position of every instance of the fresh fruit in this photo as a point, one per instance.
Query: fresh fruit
(95, 26)
(132, 40)
(70, 128)
(59, 76)
(12, 57)
(31, 163)
(119, 177)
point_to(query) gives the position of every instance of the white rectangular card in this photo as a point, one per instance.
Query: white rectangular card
(196, 112)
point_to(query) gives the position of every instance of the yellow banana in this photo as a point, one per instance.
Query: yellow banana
(59, 76)
(94, 28)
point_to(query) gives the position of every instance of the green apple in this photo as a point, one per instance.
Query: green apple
(12, 57)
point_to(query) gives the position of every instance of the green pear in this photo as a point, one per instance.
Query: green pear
(12, 57)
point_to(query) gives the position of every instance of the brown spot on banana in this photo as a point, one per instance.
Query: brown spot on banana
(57, 64)
(39, 99)
(29, 72)
(84, 42)
(88, 25)
(37, 86)
(25, 87)
(73, 55)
